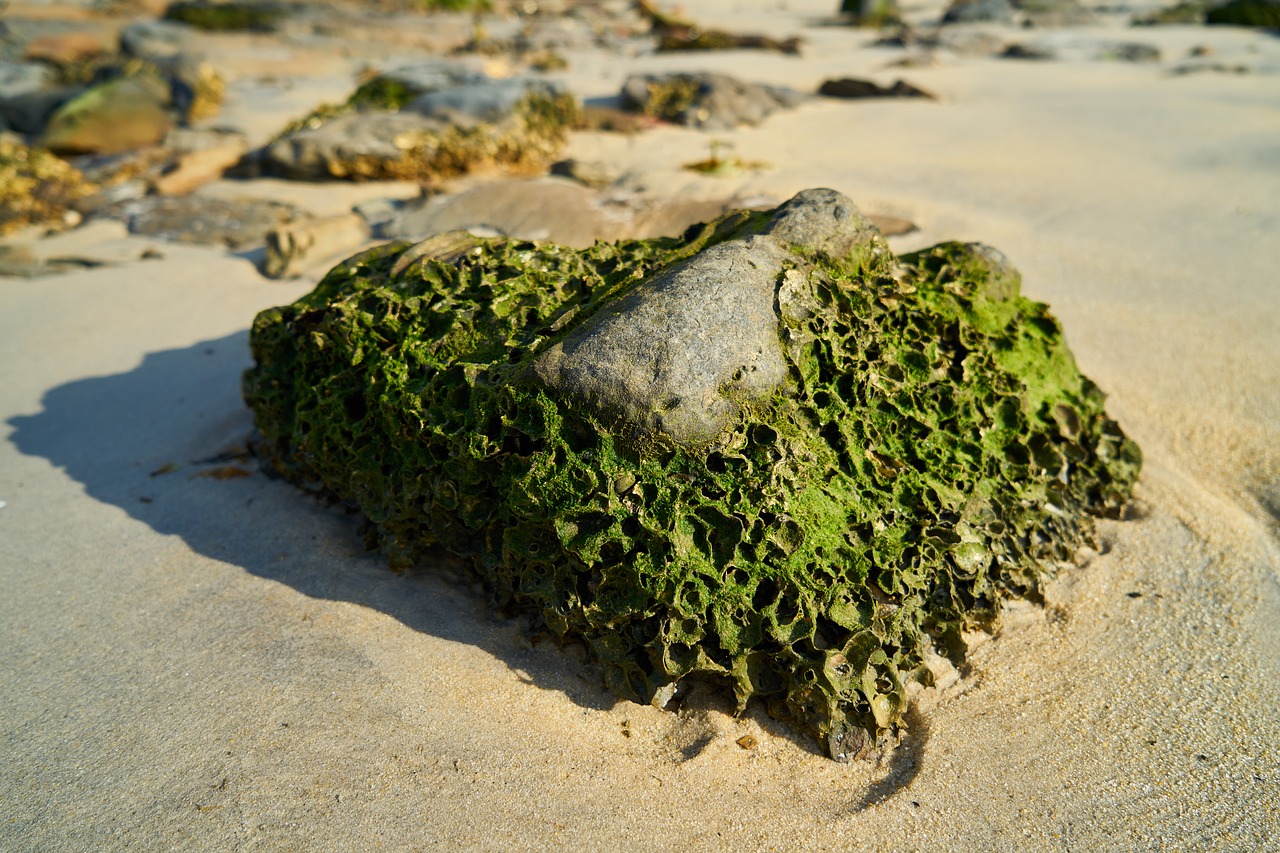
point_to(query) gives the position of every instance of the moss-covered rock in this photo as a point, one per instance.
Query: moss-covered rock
(36, 187)
(859, 460)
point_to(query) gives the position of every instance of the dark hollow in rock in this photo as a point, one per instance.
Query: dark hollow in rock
(767, 453)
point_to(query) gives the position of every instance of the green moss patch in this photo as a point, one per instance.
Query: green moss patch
(932, 452)
(227, 16)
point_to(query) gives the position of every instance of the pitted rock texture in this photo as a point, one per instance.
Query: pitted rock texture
(919, 447)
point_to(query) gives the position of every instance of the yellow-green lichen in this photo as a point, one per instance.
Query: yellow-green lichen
(671, 97)
(935, 452)
(37, 187)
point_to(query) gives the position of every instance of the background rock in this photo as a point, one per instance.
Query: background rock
(706, 101)
(294, 247)
(111, 117)
(234, 223)
(848, 87)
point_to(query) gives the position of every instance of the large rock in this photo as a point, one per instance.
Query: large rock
(766, 453)
(706, 101)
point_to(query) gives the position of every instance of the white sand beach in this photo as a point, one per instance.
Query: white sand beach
(194, 661)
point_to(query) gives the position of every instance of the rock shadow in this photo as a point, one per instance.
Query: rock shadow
(165, 442)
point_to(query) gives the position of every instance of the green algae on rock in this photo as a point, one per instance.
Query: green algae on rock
(768, 453)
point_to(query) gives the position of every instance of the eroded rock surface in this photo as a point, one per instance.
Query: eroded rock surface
(767, 453)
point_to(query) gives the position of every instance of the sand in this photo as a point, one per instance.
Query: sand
(201, 662)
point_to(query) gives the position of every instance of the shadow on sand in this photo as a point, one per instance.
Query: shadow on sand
(164, 442)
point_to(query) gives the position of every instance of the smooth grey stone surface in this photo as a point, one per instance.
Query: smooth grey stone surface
(681, 353)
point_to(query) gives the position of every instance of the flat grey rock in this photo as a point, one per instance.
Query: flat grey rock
(234, 223)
